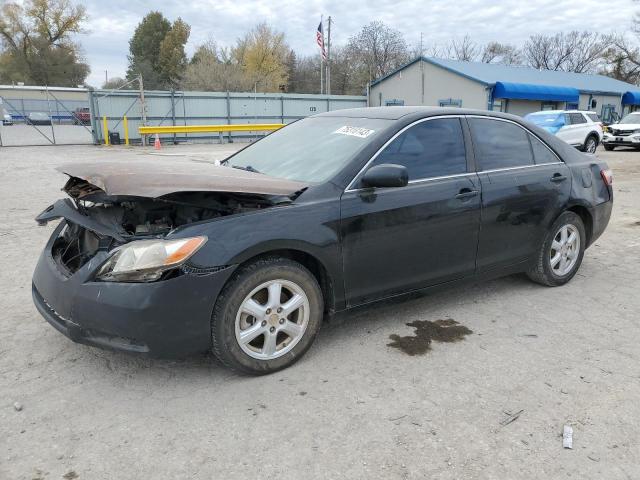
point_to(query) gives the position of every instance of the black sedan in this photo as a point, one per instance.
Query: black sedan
(331, 212)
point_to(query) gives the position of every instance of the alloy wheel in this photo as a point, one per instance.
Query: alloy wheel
(591, 146)
(565, 249)
(272, 319)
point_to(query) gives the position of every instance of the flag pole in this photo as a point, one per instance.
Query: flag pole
(329, 57)
(321, 59)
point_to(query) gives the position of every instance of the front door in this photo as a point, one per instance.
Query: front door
(399, 239)
(524, 187)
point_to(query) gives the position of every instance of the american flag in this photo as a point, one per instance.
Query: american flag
(320, 40)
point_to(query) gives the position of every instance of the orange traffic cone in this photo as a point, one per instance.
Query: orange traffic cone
(156, 143)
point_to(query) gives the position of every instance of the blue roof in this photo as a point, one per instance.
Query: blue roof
(489, 74)
(631, 98)
(527, 91)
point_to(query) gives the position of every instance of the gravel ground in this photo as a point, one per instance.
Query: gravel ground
(491, 405)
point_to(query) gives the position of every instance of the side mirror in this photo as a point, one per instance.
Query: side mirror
(386, 175)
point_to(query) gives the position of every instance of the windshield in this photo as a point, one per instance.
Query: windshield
(311, 150)
(546, 119)
(631, 118)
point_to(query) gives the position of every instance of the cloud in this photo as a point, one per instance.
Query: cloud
(112, 23)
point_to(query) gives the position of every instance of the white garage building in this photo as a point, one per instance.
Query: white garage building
(513, 89)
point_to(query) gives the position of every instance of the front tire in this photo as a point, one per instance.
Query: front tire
(590, 144)
(267, 316)
(561, 253)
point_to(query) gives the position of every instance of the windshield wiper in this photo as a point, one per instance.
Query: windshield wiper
(248, 168)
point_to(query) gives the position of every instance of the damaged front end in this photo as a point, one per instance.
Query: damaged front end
(100, 279)
(133, 226)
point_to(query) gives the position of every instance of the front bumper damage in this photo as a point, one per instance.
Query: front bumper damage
(626, 140)
(168, 318)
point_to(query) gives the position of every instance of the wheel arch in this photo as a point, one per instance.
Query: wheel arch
(586, 217)
(595, 135)
(325, 278)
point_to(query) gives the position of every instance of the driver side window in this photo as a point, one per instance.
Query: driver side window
(433, 148)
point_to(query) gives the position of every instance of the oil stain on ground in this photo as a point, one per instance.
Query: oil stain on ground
(447, 330)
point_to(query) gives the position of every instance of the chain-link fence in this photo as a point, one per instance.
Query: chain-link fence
(44, 116)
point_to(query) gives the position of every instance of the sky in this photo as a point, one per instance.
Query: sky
(111, 23)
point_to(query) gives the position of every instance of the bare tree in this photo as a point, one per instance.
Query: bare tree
(580, 52)
(622, 61)
(502, 53)
(211, 69)
(114, 83)
(463, 49)
(378, 49)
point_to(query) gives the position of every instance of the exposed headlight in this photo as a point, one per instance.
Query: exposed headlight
(147, 260)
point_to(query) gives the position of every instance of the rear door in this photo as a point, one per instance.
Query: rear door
(524, 187)
(568, 131)
(579, 128)
(398, 239)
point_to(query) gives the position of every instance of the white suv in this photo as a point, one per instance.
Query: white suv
(583, 130)
(625, 133)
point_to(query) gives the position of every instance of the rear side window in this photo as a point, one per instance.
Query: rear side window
(576, 118)
(594, 117)
(499, 144)
(434, 148)
(541, 152)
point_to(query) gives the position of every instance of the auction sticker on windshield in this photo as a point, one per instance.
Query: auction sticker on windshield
(355, 131)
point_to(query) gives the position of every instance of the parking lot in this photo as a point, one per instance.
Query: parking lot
(490, 405)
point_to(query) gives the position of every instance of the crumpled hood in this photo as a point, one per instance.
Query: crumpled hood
(158, 178)
(625, 126)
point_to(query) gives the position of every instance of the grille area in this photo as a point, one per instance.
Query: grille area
(621, 133)
(74, 247)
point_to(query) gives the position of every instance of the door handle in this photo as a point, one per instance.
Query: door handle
(558, 178)
(466, 193)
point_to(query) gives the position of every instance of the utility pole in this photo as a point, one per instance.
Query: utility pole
(422, 68)
(106, 77)
(143, 108)
(329, 57)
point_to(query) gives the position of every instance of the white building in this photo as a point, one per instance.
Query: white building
(513, 89)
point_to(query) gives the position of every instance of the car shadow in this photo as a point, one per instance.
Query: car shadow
(348, 325)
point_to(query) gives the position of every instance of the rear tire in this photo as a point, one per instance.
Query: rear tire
(608, 148)
(561, 252)
(267, 316)
(590, 144)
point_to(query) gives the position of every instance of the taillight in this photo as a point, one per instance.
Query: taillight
(607, 177)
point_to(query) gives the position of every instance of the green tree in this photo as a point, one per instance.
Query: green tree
(156, 51)
(36, 43)
(172, 58)
(144, 49)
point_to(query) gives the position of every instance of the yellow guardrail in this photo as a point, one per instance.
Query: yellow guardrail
(247, 127)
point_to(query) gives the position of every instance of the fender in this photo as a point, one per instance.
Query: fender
(238, 240)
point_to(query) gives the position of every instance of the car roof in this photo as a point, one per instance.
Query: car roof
(398, 112)
(543, 112)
